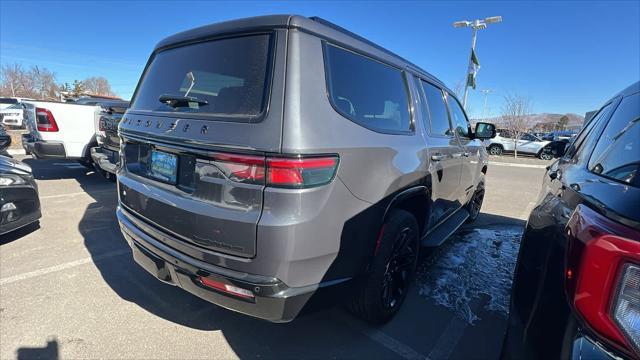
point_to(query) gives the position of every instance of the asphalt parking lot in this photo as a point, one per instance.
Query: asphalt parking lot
(70, 288)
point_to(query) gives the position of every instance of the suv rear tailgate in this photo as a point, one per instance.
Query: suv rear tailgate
(207, 205)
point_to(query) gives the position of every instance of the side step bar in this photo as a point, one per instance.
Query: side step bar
(444, 230)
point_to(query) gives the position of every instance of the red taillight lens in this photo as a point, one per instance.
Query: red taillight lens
(241, 168)
(101, 123)
(280, 172)
(599, 255)
(226, 288)
(45, 120)
(301, 172)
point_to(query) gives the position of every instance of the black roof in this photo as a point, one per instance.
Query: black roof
(313, 25)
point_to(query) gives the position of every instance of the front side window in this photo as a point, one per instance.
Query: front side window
(617, 153)
(528, 137)
(366, 91)
(438, 116)
(221, 78)
(458, 118)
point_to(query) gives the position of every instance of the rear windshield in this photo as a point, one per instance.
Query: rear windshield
(225, 78)
(8, 101)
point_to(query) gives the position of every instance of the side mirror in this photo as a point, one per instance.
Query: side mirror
(485, 131)
(558, 148)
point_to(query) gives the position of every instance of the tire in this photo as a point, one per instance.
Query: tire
(380, 295)
(495, 149)
(475, 204)
(545, 155)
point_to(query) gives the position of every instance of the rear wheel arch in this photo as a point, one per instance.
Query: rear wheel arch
(415, 200)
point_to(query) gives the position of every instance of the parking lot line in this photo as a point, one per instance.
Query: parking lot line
(74, 194)
(403, 350)
(68, 265)
(449, 339)
(497, 163)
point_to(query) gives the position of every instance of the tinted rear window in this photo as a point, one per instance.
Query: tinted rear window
(366, 91)
(8, 101)
(617, 154)
(229, 78)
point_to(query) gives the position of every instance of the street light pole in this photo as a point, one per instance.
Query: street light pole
(475, 26)
(466, 84)
(486, 93)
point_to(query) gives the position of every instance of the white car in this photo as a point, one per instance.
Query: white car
(527, 144)
(61, 131)
(14, 115)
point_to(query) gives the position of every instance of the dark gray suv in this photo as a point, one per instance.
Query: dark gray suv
(273, 162)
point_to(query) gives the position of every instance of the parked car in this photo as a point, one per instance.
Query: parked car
(5, 102)
(576, 291)
(261, 200)
(106, 155)
(559, 135)
(5, 139)
(527, 144)
(19, 202)
(61, 131)
(15, 114)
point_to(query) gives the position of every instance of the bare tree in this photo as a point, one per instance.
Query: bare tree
(37, 83)
(98, 86)
(515, 119)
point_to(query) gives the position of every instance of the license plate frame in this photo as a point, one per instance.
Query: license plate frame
(163, 166)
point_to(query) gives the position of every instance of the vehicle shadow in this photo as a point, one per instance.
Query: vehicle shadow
(323, 333)
(50, 351)
(19, 233)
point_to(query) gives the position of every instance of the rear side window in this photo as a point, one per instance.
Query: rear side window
(221, 78)
(366, 91)
(617, 153)
(437, 110)
(576, 144)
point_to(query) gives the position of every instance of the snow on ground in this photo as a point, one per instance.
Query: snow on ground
(470, 264)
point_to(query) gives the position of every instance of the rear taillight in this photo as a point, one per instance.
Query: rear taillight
(45, 120)
(226, 288)
(241, 168)
(302, 172)
(101, 123)
(602, 278)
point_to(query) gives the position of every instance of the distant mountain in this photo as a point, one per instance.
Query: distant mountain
(537, 120)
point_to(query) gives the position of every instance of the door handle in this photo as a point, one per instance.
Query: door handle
(438, 157)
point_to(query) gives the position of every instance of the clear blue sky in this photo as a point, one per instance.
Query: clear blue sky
(567, 56)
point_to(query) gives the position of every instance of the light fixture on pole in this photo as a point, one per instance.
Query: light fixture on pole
(474, 65)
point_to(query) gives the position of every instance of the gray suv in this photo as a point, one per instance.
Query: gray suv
(277, 162)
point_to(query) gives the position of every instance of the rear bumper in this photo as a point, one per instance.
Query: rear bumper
(273, 300)
(105, 159)
(25, 207)
(43, 149)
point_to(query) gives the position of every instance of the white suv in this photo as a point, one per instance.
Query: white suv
(527, 143)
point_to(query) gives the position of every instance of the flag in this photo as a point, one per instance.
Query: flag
(474, 66)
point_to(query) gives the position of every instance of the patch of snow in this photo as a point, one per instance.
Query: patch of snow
(470, 264)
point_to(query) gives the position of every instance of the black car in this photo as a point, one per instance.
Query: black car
(576, 291)
(5, 139)
(106, 156)
(19, 202)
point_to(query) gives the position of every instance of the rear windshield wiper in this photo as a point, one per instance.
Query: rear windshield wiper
(176, 101)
